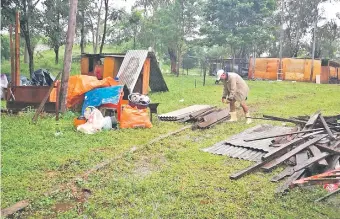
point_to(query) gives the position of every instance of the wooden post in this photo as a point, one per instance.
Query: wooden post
(204, 71)
(16, 78)
(11, 51)
(68, 53)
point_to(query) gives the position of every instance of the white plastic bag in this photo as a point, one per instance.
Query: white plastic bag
(95, 121)
(3, 84)
(107, 124)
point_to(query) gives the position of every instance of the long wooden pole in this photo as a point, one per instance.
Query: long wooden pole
(68, 53)
(12, 52)
(17, 50)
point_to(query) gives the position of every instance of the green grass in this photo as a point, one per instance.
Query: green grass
(169, 179)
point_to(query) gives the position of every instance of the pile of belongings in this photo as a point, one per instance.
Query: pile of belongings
(311, 148)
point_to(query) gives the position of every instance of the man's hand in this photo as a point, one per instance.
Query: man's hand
(224, 100)
(230, 99)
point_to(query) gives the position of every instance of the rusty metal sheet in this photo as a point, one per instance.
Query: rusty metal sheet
(131, 67)
(213, 118)
(181, 113)
(257, 131)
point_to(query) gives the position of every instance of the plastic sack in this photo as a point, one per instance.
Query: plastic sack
(135, 118)
(95, 121)
(107, 123)
(3, 84)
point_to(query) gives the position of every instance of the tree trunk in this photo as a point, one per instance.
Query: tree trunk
(56, 51)
(68, 53)
(82, 30)
(26, 55)
(25, 28)
(98, 25)
(106, 2)
(179, 59)
(173, 60)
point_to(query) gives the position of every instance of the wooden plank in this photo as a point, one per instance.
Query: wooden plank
(326, 127)
(284, 147)
(328, 195)
(286, 172)
(246, 171)
(279, 135)
(332, 162)
(310, 162)
(294, 151)
(300, 158)
(316, 152)
(14, 208)
(284, 120)
(328, 149)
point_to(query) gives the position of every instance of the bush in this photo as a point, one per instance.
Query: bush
(5, 50)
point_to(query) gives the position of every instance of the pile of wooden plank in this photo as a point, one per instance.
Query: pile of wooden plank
(313, 149)
(202, 116)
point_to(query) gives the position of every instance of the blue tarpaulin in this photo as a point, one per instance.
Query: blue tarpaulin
(99, 96)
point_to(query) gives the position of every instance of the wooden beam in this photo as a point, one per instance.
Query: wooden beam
(300, 158)
(247, 170)
(328, 149)
(326, 127)
(284, 119)
(284, 147)
(310, 162)
(16, 79)
(11, 52)
(316, 152)
(293, 152)
(279, 135)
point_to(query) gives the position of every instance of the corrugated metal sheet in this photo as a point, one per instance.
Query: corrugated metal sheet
(225, 149)
(235, 147)
(258, 131)
(131, 67)
(181, 113)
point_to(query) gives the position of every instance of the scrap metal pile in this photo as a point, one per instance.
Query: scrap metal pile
(203, 116)
(311, 148)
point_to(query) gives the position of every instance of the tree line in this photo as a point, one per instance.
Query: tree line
(178, 29)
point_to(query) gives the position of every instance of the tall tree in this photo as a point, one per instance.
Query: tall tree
(106, 6)
(72, 18)
(238, 24)
(30, 21)
(55, 14)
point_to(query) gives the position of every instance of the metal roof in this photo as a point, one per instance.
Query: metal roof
(235, 147)
(131, 67)
(178, 114)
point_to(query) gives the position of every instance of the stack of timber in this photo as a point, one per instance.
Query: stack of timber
(313, 149)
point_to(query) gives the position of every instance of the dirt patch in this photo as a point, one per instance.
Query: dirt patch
(52, 174)
(63, 207)
(145, 166)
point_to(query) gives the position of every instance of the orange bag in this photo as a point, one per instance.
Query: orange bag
(134, 118)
